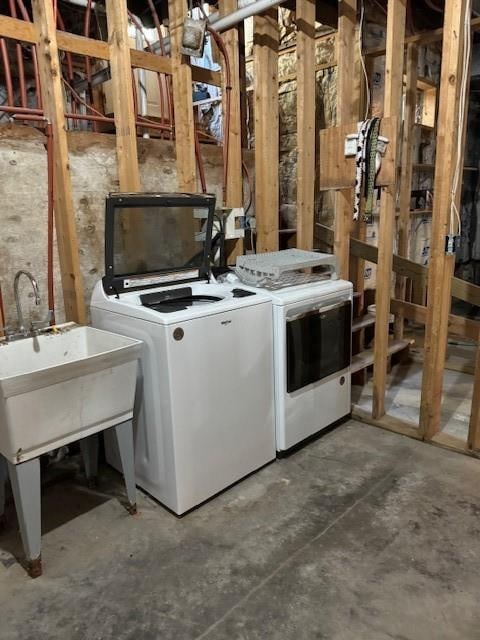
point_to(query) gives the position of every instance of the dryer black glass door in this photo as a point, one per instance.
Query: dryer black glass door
(318, 344)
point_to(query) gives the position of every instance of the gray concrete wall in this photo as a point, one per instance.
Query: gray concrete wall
(23, 197)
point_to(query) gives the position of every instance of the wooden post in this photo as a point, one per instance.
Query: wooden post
(441, 266)
(52, 94)
(122, 93)
(346, 114)
(265, 66)
(406, 175)
(305, 18)
(392, 108)
(182, 100)
(234, 192)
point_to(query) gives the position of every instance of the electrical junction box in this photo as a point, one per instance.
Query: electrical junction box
(193, 37)
(231, 218)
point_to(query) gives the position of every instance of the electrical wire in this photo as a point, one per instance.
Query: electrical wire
(362, 59)
(467, 46)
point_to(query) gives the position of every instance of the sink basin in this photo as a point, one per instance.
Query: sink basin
(63, 386)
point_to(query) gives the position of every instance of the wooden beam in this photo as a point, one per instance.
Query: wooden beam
(457, 325)
(306, 85)
(392, 108)
(206, 76)
(461, 289)
(52, 94)
(347, 20)
(406, 173)
(265, 69)
(182, 100)
(234, 190)
(122, 91)
(442, 266)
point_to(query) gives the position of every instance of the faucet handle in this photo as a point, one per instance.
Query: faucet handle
(38, 325)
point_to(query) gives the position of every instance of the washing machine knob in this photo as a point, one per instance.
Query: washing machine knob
(178, 333)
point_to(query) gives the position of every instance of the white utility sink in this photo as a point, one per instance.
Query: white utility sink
(64, 386)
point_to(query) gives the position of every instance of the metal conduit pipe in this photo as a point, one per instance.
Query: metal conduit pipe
(246, 9)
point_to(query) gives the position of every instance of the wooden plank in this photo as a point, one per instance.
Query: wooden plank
(150, 61)
(457, 325)
(390, 423)
(347, 20)
(52, 94)
(182, 101)
(234, 190)
(206, 76)
(461, 289)
(337, 171)
(17, 29)
(265, 69)
(122, 91)
(392, 108)
(442, 266)
(82, 46)
(406, 173)
(365, 358)
(306, 84)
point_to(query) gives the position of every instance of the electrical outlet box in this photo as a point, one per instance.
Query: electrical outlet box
(351, 142)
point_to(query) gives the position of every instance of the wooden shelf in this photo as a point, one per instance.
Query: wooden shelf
(425, 84)
(427, 127)
(424, 167)
(362, 322)
(421, 211)
(365, 358)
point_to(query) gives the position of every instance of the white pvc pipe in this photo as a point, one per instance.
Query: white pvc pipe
(246, 9)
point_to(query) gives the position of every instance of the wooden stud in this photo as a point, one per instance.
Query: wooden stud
(441, 267)
(52, 94)
(406, 174)
(234, 191)
(265, 65)
(392, 108)
(182, 100)
(122, 91)
(347, 19)
(306, 84)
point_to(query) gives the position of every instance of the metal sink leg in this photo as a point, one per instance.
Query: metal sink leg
(124, 438)
(25, 479)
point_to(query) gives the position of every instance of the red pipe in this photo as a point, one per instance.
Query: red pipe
(50, 221)
(20, 110)
(8, 72)
(201, 168)
(21, 68)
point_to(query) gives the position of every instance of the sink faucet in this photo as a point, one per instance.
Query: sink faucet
(21, 326)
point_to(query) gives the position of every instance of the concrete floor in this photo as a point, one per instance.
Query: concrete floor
(364, 534)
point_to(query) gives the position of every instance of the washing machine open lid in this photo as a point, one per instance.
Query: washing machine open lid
(156, 239)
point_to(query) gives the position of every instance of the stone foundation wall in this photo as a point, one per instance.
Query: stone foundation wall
(23, 193)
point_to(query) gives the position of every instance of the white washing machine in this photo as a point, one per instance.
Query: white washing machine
(205, 407)
(312, 327)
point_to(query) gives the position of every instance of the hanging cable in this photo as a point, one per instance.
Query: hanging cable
(467, 46)
(362, 59)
